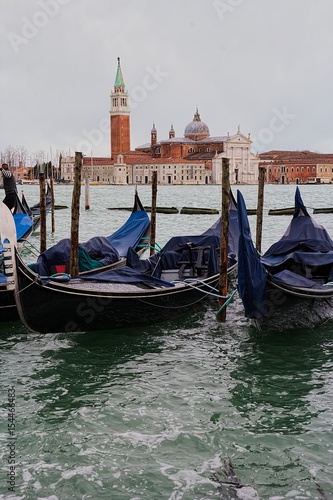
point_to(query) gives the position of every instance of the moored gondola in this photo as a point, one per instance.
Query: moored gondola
(172, 282)
(291, 285)
(97, 254)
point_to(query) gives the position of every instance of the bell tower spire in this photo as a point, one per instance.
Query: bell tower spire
(119, 116)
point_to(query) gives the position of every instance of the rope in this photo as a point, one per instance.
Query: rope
(227, 302)
(217, 294)
(32, 283)
(30, 246)
(156, 247)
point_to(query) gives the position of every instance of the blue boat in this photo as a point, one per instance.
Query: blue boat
(291, 285)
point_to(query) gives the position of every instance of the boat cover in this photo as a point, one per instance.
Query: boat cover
(199, 252)
(233, 235)
(131, 233)
(304, 242)
(126, 275)
(251, 272)
(287, 277)
(187, 251)
(96, 252)
(23, 221)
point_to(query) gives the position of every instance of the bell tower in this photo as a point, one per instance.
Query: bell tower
(119, 116)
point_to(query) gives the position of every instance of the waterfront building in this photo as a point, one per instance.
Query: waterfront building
(193, 158)
(298, 167)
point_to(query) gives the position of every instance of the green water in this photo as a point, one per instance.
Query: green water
(152, 413)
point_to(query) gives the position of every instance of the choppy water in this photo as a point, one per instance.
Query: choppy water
(151, 413)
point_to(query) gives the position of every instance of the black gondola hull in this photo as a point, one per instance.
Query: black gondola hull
(59, 308)
(288, 309)
(8, 310)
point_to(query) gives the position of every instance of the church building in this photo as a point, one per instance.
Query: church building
(194, 158)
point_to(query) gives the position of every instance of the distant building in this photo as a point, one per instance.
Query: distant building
(194, 158)
(298, 167)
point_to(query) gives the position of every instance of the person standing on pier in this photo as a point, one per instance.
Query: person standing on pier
(9, 185)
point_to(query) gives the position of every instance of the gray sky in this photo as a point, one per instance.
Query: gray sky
(266, 65)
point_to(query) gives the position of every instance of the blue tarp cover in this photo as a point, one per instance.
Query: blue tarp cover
(233, 235)
(293, 279)
(130, 234)
(126, 275)
(304, 242)
(23, 223)
(178, 251)
(251, 272)
(97, 249)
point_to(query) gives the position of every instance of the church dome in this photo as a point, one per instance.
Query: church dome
(196, 129)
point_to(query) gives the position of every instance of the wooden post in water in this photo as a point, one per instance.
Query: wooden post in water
(223, 278)
(52, 201)
(74, 249)
(42, 208)
(153, 214)
(260, 207)
(86, 193)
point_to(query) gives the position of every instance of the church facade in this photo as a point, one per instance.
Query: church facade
(194, 158)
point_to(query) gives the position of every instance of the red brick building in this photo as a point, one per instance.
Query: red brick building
(297, 167)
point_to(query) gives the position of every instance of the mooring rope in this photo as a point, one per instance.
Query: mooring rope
(227, 302)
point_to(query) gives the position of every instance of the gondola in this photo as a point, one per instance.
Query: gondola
(96, 255)
(8, 310)
(291, 285)
(170, 283)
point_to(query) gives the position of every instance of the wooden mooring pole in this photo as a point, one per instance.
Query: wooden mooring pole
(42, 208)
(74, 249)
(225, 215)
(87, 194)
(260, 206)
(52, 201)
(153, 214)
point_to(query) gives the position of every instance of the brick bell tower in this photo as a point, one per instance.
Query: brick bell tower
(119, 116)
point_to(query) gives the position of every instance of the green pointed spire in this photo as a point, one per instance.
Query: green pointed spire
(119, 81)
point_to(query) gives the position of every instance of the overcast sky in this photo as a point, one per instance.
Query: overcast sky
(265, 65)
